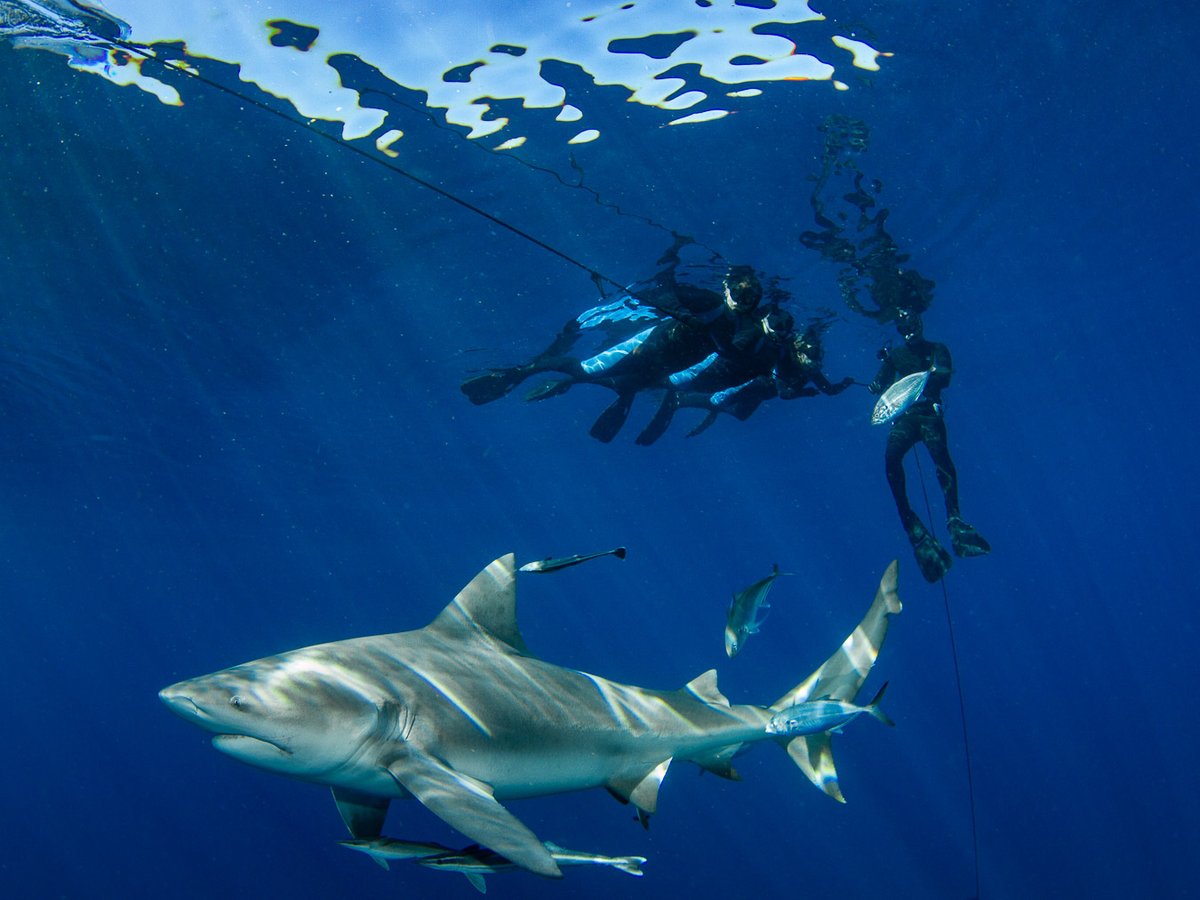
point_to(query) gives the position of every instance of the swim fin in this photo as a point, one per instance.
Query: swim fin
(491, 385)
(549, 389)
(609, 422)
(965, 540)
(932, 558)
(658, 425)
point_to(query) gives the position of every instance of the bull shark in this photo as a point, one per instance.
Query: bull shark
(460, 715)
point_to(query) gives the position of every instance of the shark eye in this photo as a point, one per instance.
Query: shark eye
(236, 702)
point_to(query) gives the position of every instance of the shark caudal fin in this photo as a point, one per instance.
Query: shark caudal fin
(839, 678)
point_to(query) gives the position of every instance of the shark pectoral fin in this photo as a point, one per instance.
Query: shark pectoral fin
(640, 787)
(362, 813)
(813, 753)
(468, 805)
(477, 881)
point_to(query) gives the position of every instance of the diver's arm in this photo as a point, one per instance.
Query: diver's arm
(941, 366)
(884, 377)
(826, 387)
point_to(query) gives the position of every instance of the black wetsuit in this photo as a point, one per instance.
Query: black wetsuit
(787, 381)
(698, 323)
(920, 423)
(738, 386)
(694, 323)
(701, 323)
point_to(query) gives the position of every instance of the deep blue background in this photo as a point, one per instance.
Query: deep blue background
(232, 426)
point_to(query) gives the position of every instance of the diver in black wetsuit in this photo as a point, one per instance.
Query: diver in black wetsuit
(783, 365)
(923, 423)
(692, 322)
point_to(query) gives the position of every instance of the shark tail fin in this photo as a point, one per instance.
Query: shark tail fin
(840, 678)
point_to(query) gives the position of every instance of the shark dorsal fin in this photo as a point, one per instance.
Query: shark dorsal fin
(488, 605)
(704, 687)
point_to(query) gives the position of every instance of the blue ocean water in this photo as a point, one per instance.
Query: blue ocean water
(231, 359)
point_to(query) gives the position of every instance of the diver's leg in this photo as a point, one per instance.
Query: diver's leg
(900, 440)
(965, 540)
(495, 383)
(933, 435)
(563, 341)
(624, 358)
(566, 365)
(932, 558)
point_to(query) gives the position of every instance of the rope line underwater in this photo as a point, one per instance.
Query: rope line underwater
(147, 53)
(962, 703)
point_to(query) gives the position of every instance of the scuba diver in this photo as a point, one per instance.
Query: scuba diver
(922, 422)
(783, 366)
(683, 324)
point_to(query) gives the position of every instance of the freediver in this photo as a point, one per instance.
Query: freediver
(923, 422)
(684, 324)
(783, 366)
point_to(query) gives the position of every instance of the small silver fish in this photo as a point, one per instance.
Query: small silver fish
(554, 563)
(475, 862)
(381, 849)
(899, 397)
(815, 716)
(744, 616)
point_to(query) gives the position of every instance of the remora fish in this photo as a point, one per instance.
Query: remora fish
(746, 612)
(815, 716)
(381, 849)
(475, 862)
(899, 397)
(554, 563)
(460, 715)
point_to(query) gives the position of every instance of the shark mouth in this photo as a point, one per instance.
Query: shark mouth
(242, 745)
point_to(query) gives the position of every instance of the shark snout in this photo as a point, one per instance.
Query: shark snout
(177, 699)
